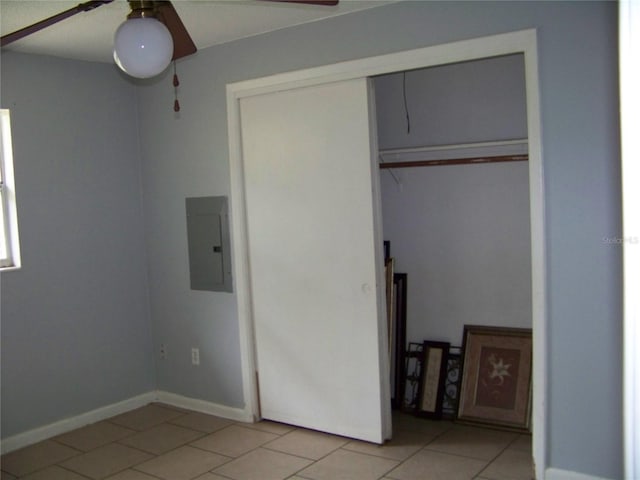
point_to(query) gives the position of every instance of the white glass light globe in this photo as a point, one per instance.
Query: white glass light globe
(143, 47)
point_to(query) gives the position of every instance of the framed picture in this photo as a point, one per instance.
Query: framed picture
(388, 269)
(400, 340)
(452, 384)
(432, 379)
(495, 388)
(412, 374)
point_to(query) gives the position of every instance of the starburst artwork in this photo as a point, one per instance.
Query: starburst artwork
(496, 383)
(496, 379)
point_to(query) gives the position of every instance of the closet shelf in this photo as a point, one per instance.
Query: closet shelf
(459, 154)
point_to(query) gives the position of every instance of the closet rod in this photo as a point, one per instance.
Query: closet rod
(456, 161)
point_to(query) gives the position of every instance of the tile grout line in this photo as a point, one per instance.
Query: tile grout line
(265, 446)
(67, 469)
(57, 464)
(416, 452)
(231, 459)
(498, 455)
(119, 442)
(420, 449)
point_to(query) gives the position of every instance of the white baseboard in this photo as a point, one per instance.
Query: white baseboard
(558, 474)
(62, 426)
(36, 435)
(202, 406)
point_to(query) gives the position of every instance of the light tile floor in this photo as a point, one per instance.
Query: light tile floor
(161, 442)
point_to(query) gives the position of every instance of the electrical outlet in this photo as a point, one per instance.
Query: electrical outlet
(195, 356)
(163, 351)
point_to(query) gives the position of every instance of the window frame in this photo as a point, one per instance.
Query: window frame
(9, 240)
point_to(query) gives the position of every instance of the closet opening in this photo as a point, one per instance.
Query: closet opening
(257, 94)
(455, 198)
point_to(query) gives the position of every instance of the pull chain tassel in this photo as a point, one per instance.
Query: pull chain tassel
(176, 82)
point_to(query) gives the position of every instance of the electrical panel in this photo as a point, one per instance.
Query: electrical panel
(209, 244)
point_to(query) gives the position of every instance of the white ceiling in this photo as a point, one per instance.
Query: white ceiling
(89, 35)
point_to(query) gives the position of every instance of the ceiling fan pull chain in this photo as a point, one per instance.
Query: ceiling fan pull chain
(176, 82)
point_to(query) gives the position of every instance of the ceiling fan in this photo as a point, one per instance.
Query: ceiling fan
(149, 24)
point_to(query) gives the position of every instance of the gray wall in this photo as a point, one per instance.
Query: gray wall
(476, 101)
(188, 155)
(461, 233)
(76, 333)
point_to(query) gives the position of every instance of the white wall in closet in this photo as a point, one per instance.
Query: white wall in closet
(461, 232)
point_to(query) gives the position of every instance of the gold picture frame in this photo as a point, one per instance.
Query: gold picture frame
(432, 379)
(495, 387)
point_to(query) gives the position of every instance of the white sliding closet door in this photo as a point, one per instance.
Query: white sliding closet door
(314, 241)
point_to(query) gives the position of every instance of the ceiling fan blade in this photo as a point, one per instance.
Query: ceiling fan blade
(328, 3)
(36, 27)
(182, 43)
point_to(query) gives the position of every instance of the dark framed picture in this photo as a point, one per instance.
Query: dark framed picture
(435, 356)
(390, 292)
(412, 373)
(495, 388)
(400, 340)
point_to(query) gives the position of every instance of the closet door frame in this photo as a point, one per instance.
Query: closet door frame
(524, 42)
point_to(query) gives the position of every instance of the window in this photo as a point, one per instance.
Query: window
(9, 245)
